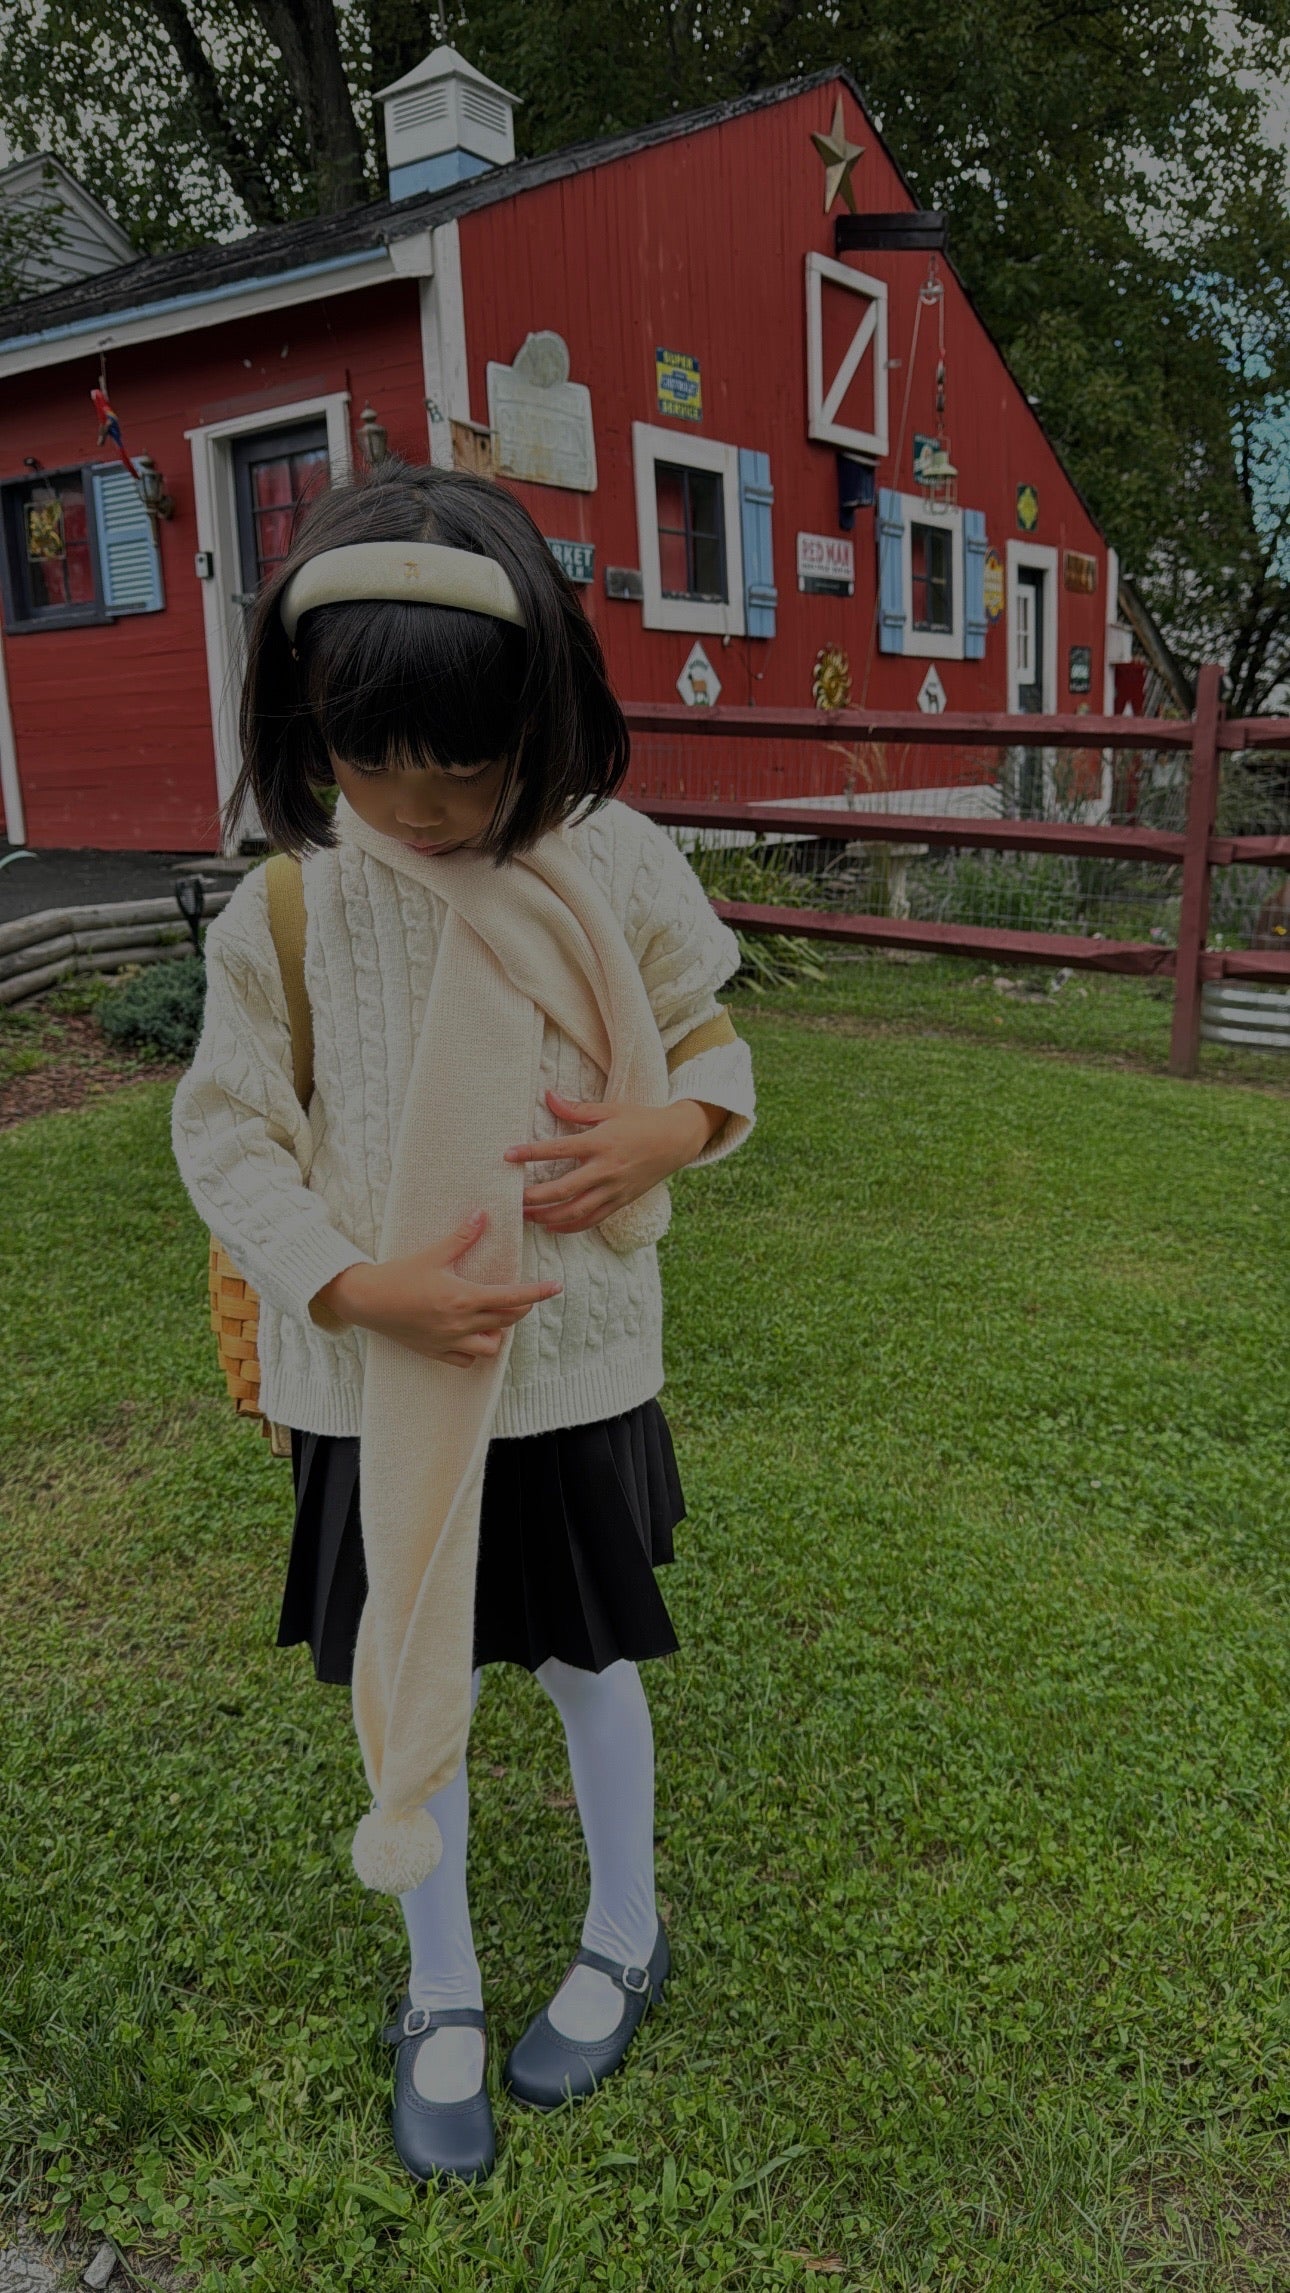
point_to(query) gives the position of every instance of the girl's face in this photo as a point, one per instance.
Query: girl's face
(429, 808)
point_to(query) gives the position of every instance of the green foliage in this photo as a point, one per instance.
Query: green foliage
(1115, 208)
(758, 876)
(160, 1009)
(972, 1799)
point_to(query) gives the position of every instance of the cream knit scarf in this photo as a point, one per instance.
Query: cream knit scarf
(534, 937)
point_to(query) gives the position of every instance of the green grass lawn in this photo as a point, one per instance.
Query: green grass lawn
(974, 1768)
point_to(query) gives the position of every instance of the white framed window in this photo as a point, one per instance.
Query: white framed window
(933, 581)
(862, 365)
(689, 526)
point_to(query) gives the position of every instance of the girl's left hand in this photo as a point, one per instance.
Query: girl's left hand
(623, 1152)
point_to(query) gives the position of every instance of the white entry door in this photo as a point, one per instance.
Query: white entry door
(251, 476)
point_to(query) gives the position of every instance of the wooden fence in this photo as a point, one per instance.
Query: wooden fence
(1208, 736)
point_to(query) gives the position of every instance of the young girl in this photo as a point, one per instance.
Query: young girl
(517, 1041)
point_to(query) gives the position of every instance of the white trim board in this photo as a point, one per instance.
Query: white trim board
(444, 372)
(696, 616)
(15, 817)
(871, 330)
(188, 314)
(217, 532)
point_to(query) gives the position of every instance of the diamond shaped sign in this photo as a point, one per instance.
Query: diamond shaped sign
(698, 684)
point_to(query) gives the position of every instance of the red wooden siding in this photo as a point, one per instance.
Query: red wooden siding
(113, 723)
(698, 246)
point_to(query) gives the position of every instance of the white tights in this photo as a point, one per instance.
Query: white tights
(611, 1759)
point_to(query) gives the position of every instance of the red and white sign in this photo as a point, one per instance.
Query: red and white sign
(825, 561)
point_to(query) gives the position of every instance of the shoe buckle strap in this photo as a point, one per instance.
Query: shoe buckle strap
(634, 1980)
(419, 2019)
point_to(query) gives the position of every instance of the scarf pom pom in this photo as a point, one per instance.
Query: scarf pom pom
(638, 1223)
(395, 1853)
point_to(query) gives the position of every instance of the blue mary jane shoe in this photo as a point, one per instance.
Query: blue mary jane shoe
(544, 2069)
(438, 2141)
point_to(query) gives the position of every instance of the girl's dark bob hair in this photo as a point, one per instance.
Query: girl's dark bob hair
(383, 685)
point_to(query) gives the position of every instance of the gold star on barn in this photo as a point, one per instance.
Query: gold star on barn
(839, 158)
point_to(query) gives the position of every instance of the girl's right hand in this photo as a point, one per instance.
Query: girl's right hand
(421, 1303)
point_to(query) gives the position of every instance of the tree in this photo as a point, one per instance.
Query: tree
(206, 115)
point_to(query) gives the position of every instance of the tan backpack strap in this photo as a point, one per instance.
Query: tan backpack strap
(284, 886)
(706, 1037)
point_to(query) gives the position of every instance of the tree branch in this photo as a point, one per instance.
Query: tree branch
(239, 163)
(750, 59)
(307, 39)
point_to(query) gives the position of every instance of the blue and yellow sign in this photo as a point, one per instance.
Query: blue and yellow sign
(679, 385)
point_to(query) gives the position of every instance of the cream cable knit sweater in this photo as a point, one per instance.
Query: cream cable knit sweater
(296, 1197)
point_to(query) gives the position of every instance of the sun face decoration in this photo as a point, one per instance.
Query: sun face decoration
(831, 678)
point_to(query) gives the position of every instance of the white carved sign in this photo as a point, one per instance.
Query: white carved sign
(863, 363)
(541, 422)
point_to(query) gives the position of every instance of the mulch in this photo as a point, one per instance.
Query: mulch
(79, 1065)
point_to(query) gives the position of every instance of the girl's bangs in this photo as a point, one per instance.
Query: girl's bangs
(389, 685)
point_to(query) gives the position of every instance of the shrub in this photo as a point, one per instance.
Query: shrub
(759, 876)
(160, 1009)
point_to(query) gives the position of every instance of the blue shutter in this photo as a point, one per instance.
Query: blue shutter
(128, 553)
(891, 572)
(756, 494)
(974, 618)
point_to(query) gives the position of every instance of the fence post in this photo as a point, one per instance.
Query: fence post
(1193, 919)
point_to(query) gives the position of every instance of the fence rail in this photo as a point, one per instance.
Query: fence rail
(1206, 737)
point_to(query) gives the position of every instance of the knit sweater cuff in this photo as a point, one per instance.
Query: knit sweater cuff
(721, 1077)
(305, 1262)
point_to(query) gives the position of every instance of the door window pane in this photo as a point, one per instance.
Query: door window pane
(1025, 634)
(932, 578)
(691, 532)
(279, 485)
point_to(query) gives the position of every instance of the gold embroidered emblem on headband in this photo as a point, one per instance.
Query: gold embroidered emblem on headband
(412, 569)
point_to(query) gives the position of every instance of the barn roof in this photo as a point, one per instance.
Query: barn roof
(321, 243)
(73, 318)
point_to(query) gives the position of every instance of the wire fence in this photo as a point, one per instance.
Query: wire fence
(1109, 898)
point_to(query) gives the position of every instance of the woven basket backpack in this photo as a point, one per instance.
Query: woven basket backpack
(235, 1308)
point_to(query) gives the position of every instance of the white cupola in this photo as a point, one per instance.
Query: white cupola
(444, 122)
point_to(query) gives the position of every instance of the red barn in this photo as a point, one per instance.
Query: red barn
(714, 385)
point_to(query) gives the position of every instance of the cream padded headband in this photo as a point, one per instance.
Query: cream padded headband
(406, 573)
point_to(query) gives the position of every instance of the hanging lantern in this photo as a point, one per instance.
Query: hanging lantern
(152, 489)
(938, 479)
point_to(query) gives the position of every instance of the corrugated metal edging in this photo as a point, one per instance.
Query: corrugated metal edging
(744, 770)
(1256, 1017)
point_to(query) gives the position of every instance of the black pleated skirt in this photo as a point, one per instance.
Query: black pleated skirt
(572, 1526)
